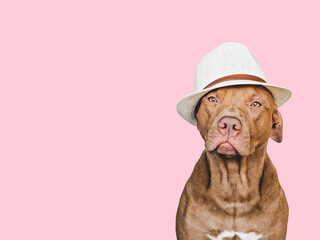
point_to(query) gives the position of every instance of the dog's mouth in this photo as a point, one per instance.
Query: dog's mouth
(227, 149)
(228, 146)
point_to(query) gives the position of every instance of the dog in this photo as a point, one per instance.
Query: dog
(233, 191)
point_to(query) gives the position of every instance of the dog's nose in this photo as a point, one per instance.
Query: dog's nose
(230, 126)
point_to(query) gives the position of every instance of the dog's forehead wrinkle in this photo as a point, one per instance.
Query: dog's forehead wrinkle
(240, 95)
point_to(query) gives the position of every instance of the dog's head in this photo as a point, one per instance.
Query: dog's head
(238, 120)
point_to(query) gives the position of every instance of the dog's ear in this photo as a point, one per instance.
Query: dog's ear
(277, 125)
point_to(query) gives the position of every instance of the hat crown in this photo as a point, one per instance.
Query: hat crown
(226, 59)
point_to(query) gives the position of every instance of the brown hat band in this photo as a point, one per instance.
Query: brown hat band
(236, 77)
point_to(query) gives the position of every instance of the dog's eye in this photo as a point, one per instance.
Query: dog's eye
(212, 99)
(256, 104)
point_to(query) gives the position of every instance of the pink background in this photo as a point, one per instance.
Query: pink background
(91, 144)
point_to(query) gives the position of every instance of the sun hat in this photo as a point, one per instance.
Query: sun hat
(229, 64)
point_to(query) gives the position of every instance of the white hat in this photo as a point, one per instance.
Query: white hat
(227, 65)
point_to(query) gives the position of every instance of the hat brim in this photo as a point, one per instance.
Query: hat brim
(186, 105)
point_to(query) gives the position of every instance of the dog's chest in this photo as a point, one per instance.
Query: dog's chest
(239, 235)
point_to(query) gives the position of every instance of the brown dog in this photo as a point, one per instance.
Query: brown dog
(234, 192)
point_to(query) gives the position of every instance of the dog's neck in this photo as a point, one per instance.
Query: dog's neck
(236, 181)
